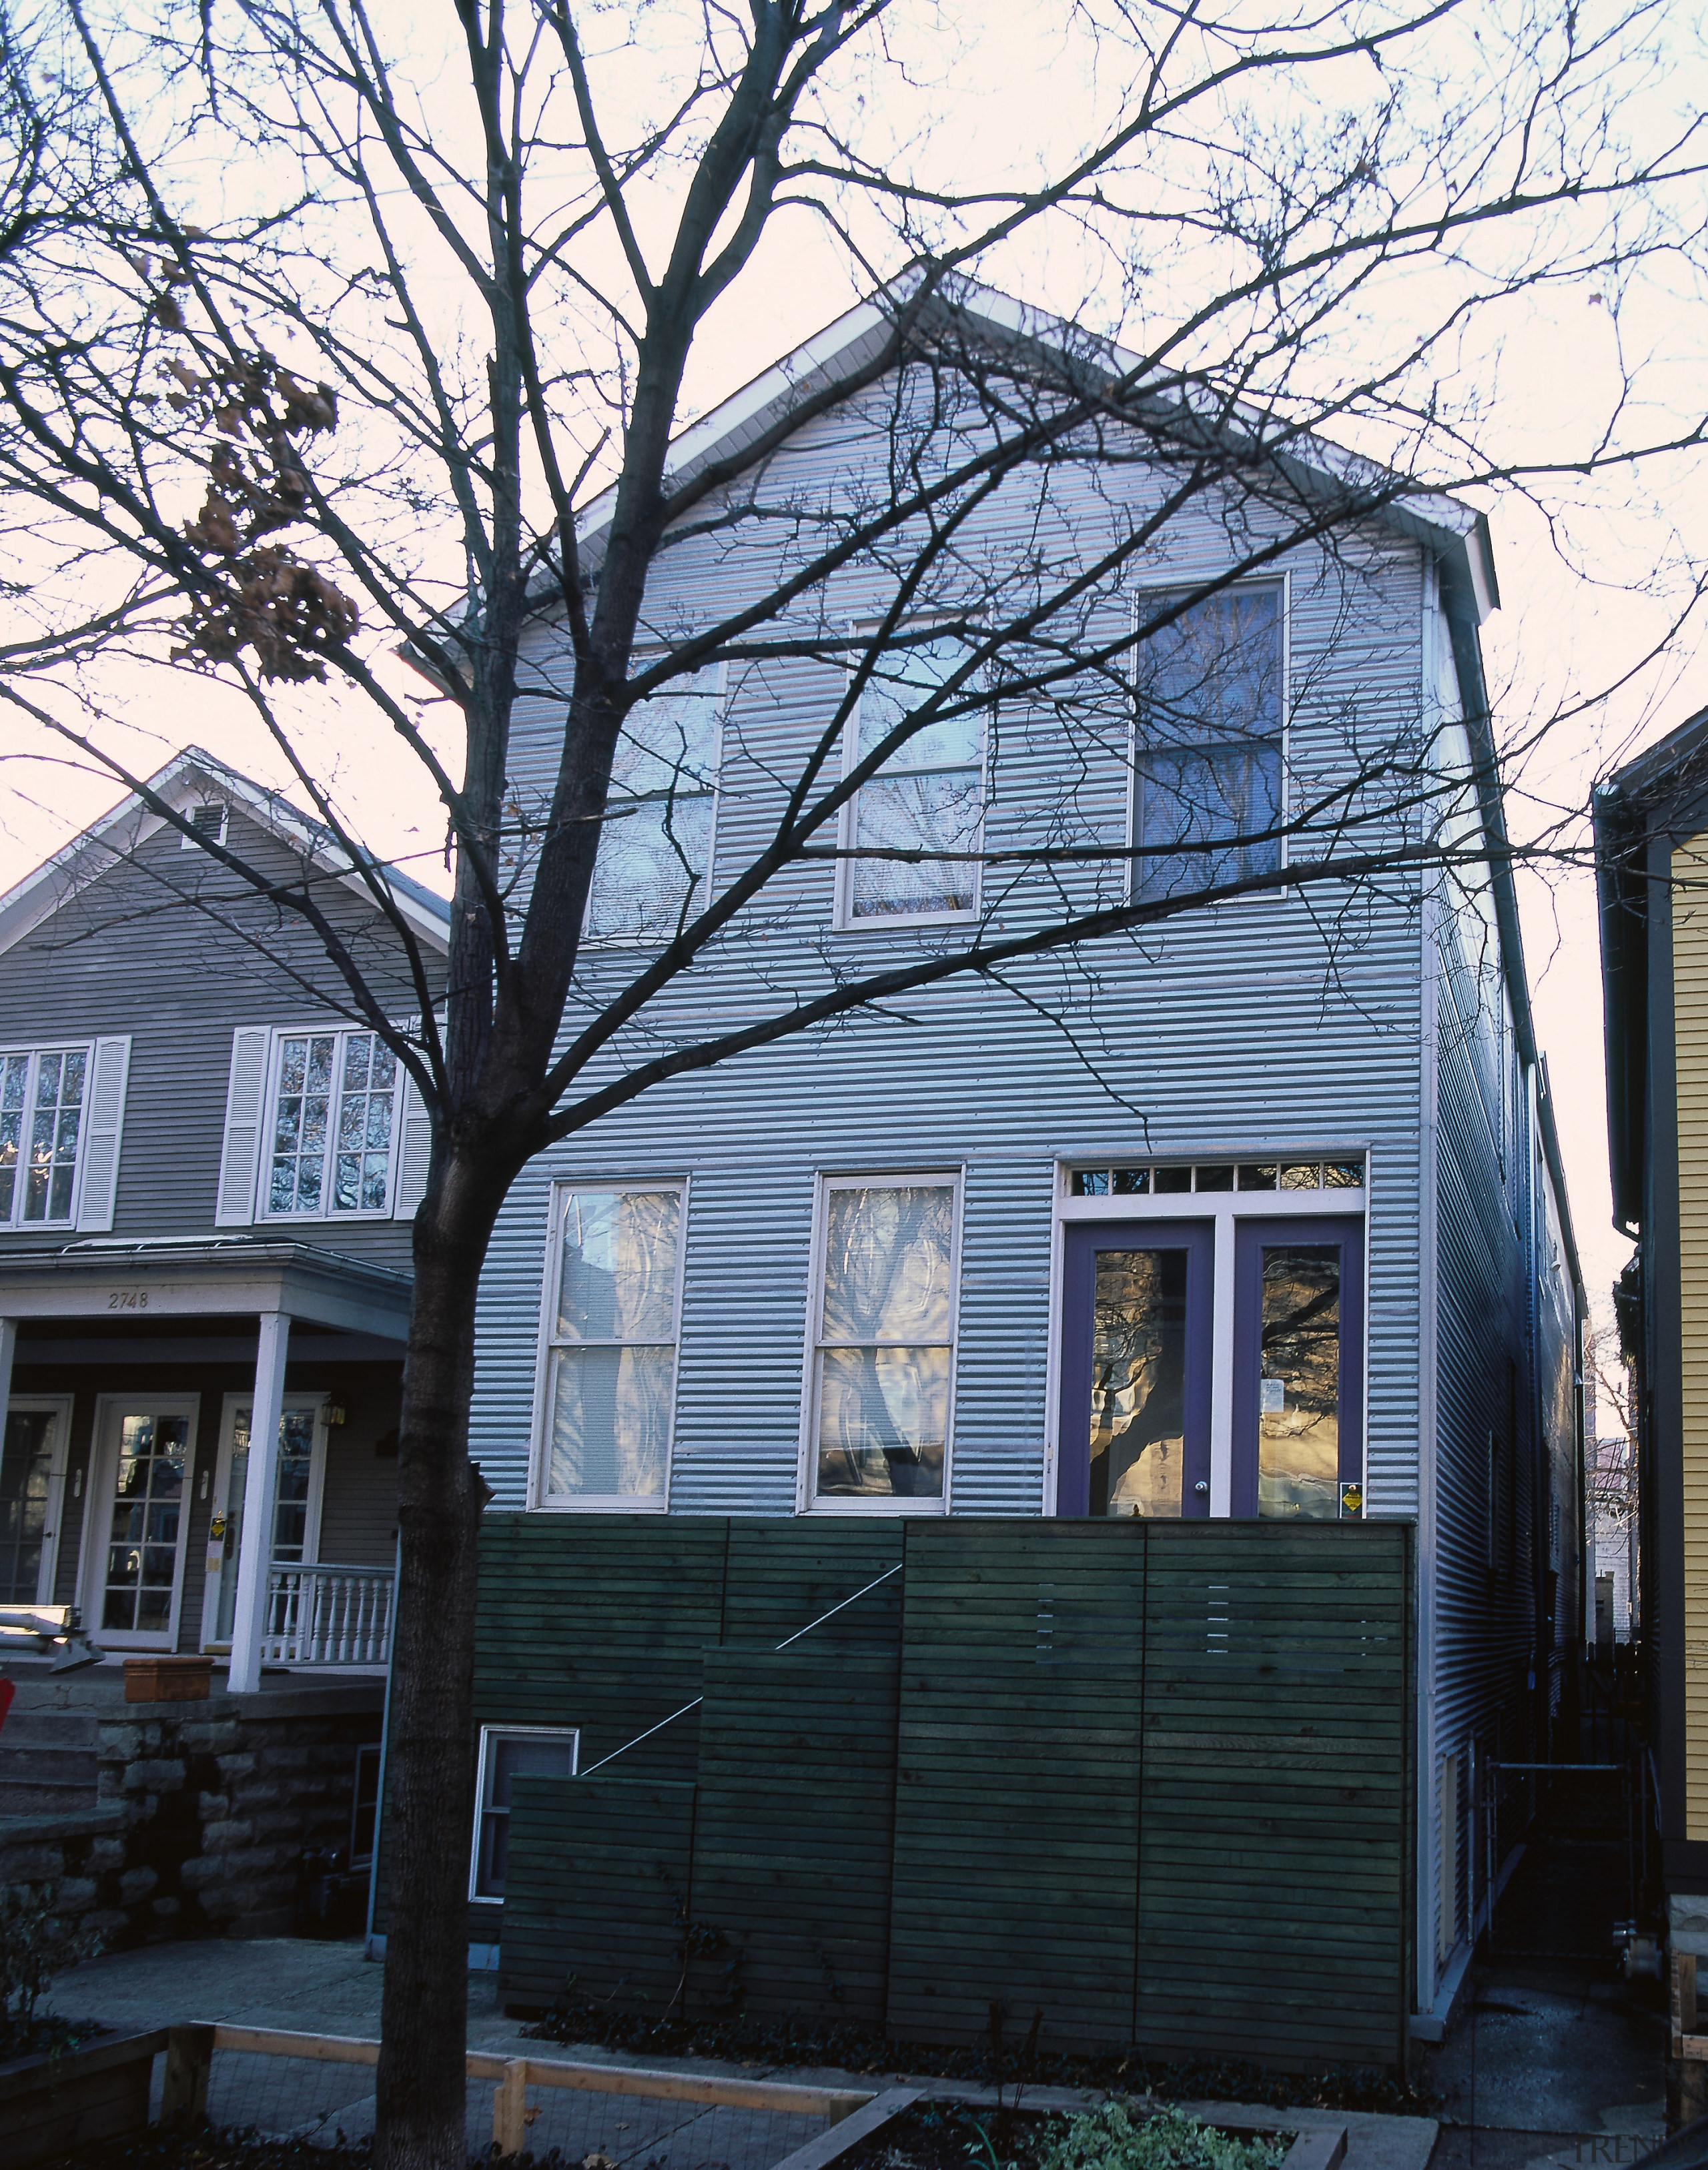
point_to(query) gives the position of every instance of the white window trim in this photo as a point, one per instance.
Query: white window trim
(572, 1733)
(59, 1408)
(708, 890)
(1224, 1208)
(539, 1434)
(843, 920)
(261, 1216)
(98, 1507)
(34, 1049)
(212, 1577)
(1283, 579)
(807, 1501)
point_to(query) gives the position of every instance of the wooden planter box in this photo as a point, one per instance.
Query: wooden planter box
(50, 2105)
(168, 1679)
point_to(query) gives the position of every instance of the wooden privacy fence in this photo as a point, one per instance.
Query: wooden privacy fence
(1153, 1779)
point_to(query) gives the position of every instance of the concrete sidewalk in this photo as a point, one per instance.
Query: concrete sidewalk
(333, 1989)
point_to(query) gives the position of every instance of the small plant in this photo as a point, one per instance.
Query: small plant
(36, 1944)
(1114, 2138)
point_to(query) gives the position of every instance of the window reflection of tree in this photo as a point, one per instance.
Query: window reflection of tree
(1301, 1335)
(887, 1264)
(1138, 1377)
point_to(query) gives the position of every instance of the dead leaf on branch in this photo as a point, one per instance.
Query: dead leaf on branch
(290, 616)
(263, 599)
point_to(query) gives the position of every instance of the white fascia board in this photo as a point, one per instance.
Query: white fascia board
(183, 783)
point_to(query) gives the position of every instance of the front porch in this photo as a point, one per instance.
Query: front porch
(135, 1377)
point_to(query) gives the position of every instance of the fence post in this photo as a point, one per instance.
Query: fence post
(189, 2056)
(510, 2107)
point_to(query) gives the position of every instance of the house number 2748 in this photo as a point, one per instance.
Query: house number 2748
(128, 1299)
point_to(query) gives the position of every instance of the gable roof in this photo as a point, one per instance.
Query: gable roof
(195, 778)
(749, 422)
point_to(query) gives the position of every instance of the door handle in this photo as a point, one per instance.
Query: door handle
(1202, 1484)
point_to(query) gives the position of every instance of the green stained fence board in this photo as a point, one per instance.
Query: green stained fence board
(1156, 1780)
(792, 1845)
(597, 1887)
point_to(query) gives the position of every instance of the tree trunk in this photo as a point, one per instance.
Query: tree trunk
(429, 1775)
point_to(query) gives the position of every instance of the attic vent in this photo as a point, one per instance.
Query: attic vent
(207, 822)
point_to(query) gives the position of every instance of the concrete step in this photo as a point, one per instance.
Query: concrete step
(48, 1728)
(48, 1763)
(33, 1798)
(55, 1766)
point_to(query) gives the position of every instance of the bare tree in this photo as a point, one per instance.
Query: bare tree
(378, 346)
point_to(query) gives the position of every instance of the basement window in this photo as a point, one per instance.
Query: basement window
(509, 1752)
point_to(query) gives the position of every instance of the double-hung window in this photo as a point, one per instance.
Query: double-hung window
(332, 1128)
(881, 1381)
(1208, 792)
(610, 1346)
(928, 797)
(655, 843)
(62, 1109)
(508, 1752)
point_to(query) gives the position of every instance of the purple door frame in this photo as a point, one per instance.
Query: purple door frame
(1082, 1241)
(1347, 1233)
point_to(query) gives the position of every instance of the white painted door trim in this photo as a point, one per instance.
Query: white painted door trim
(98, 1503)
(61, 1406)
(221, 1480)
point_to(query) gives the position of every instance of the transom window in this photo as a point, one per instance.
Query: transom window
(1207, 747)
(1176, 1178)
(655, 843)
(610, 1387)
(883, 1361)
(332, 1128)
(41, 1127)
(929, 796)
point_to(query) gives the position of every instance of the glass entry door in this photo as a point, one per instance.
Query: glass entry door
(1136, 1338)
(147, 1450)
(1298, 1336)
(32, 1473)
(296, 1503)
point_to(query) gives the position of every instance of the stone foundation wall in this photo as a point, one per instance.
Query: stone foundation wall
(202, 1813)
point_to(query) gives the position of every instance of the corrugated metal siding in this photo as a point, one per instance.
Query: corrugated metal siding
(1690, 1027)
(130, 952)
(1275, 1025)
(1505, 1363)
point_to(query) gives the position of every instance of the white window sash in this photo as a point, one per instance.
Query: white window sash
(267, 1129)
(489, 1734)
(551, 1346)
(847, 920)
(33, 1059)
(711, 794)
(1282, 738)
(807, 1500)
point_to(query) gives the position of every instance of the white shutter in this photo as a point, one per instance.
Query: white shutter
(244, 1094)
(104, 1122)
(415, 1153)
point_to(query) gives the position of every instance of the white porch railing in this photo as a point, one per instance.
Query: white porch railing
(328, 1616)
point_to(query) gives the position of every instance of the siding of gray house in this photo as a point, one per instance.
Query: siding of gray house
(126, 954)
(1257, 1030)
(132, 952)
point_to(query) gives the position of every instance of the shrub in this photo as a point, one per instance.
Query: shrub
(36, 1944)
(1114, 2138)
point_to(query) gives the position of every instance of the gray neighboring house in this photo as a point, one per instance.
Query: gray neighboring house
(206, 1176)
(672, 1304)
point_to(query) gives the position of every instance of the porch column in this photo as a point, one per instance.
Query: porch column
(260, 1490)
